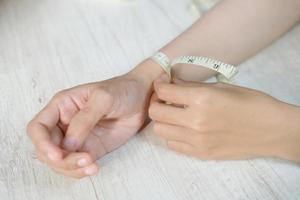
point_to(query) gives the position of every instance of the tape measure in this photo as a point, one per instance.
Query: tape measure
(163, 61)
(225, 71)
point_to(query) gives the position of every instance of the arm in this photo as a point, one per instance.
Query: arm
(81, 124)
(231, 32)
(222, 121)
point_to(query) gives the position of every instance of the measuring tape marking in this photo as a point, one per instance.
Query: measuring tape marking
(226, 70)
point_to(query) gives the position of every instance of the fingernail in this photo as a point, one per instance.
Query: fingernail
(69, 144)
(90, 170)
(82, 162)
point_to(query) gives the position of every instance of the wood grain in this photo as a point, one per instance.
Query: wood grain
(49, 45)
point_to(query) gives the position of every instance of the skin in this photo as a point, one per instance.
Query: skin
(81, 124)
(222, 121)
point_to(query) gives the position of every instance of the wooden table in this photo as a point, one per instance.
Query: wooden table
(49, 45)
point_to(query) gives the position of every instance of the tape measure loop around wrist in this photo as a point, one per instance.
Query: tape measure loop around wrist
(163, 61)
(225, 71)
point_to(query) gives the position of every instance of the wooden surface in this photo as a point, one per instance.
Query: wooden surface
(49, 45)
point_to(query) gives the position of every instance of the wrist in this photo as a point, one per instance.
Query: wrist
(146, 72)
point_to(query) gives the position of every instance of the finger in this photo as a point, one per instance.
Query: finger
(69, 107)
(194, 84)
(173, 132)
(90, 170)
(39, 130)
(181, 147)
(164, 113)
(154, 98)
(176, 94)
(56, 137)
(70, 161)
(164, 78)
(73, 161)
(84, 121)
(181, 82)
(95, 146)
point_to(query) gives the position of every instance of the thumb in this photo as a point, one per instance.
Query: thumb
(85, 120)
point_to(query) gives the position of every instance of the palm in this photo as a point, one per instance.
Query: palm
(113, 130)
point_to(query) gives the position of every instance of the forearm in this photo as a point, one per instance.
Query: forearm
(231, 32)
(234, 31)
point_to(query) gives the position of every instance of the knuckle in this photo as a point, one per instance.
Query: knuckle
(58, 95)
(197, 124)
(203, 96)
(105, 95)
(152, 109)
(161, 90)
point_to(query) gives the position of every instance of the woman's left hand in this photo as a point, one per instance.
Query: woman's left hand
(222, 121)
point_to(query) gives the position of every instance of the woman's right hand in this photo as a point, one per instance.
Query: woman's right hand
(223, 122)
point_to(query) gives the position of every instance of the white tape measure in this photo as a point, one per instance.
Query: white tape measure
(225, 71)
(163, 61)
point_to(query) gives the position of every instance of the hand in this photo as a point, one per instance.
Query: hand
(221, 121)
(81, 124)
